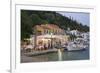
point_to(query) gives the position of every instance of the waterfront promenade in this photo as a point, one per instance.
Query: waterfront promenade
(32, 53)
(33, 56)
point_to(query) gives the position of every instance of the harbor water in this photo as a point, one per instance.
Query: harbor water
(65, 56)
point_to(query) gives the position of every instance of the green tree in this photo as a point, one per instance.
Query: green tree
(26, 25)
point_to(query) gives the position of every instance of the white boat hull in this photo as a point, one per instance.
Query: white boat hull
(73, 47)
(70, 48)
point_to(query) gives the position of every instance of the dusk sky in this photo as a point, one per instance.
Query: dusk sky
(83, 18)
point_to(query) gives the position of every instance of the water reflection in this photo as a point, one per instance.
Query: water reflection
(59, 55)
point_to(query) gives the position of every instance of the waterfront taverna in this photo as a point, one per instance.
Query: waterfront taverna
(48, 36)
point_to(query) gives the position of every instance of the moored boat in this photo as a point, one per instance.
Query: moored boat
(72, 46)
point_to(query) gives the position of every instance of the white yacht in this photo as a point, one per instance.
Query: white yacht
(72, 46)
(78, 44)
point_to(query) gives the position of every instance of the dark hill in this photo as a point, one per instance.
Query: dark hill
(31, 18)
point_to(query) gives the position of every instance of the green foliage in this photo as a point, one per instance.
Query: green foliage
(26, 25)
(31, 18)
